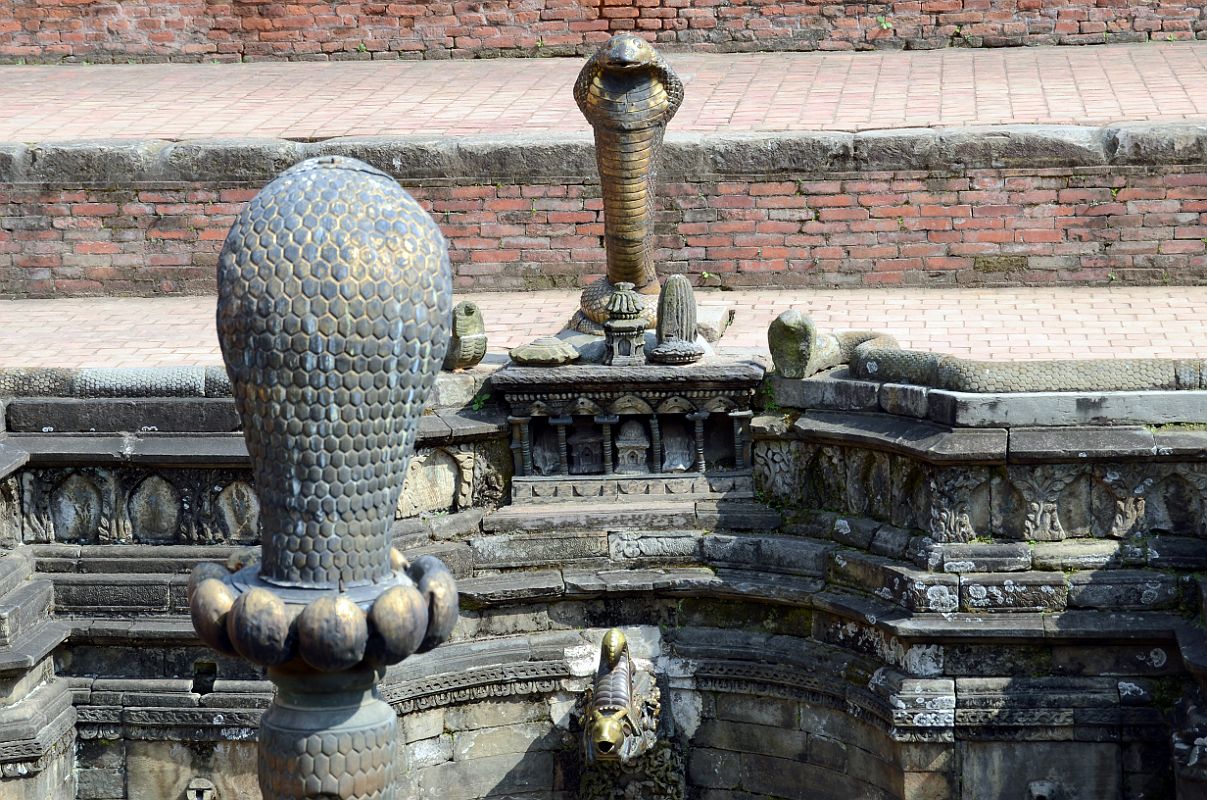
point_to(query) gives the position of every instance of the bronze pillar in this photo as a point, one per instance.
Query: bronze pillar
(334, 296)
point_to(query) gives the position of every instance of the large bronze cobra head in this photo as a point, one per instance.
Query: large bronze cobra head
(624, 51)
(608, 733)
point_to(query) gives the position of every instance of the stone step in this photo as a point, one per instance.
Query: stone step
(15, 569)
(621, 514)
(107, 594)
(23, 608)
(598, 488)
(31, 646)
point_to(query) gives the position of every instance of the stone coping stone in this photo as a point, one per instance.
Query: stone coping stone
(938, 444)
(1057, 409)
(1038, 445)
(836, 390)
(713, 373)
(205, 448)
(12, 458)
(1081, 625)
(570, 155)
(920, 439)
(150, 388)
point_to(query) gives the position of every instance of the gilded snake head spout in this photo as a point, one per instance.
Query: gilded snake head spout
(624, 52)
(608, 733)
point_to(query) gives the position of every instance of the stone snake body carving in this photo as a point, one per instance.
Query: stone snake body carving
(800, 350)
(628, 93)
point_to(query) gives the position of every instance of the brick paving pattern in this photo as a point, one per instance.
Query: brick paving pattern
(737, 92)
(1011, 324)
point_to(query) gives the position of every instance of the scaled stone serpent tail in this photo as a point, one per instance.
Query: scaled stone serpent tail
(799, 350)
(628, 94)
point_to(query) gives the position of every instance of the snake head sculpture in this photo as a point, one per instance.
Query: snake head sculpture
(625, 51)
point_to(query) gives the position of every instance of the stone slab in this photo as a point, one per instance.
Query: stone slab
(72, 415)
(1038, 445)
(1054, 409)
(1013, 591)
(772, 553)
(714, 373)
(12, 458)
(905, 400)
(827, 391)
(514, 587)
(1123, 589)
(592, 516)
(919, 439)
(980, 557)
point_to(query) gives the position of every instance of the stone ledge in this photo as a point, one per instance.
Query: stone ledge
(206, 448)
(1058, 409)
(529, 157)
(836, 390)
(925, 441)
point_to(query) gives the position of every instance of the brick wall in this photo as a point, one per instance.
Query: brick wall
(102, 30)
(783, 221)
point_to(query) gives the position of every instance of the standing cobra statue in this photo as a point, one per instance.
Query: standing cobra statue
(334, 301)
(628, 93)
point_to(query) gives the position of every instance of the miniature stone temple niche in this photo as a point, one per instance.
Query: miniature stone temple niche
(626, 739)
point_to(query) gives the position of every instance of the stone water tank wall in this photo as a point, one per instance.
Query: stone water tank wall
(912, 599)
(188, 30)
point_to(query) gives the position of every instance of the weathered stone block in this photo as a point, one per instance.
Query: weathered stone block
(1124, 589)
(982, 557)
(749, 738)
(825, 391)
(1014, 591)
(713, 769)
(909, 588)
(430, 752)
(757, 710)
(422, 724)
(993, 772)
(549, 547)
(771, 553)
(493, 714)
(904, 399)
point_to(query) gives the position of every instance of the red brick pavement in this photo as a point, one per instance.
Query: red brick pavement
(1011, 324)
(746, 92)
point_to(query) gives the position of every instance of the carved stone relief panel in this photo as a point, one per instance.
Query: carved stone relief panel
(10, 512)
(910, 506)
(778, 469)
(103, 505)
(439, 479)
(1119, 499)
(238, 510)
(960, 500)
(154, 511)
(825, 479)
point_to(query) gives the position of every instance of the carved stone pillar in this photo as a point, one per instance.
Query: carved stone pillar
(563, 455)
(606, 422)
(698, 417)
(334, 297)
(741, 441)
(656, 442)
(521, 444)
